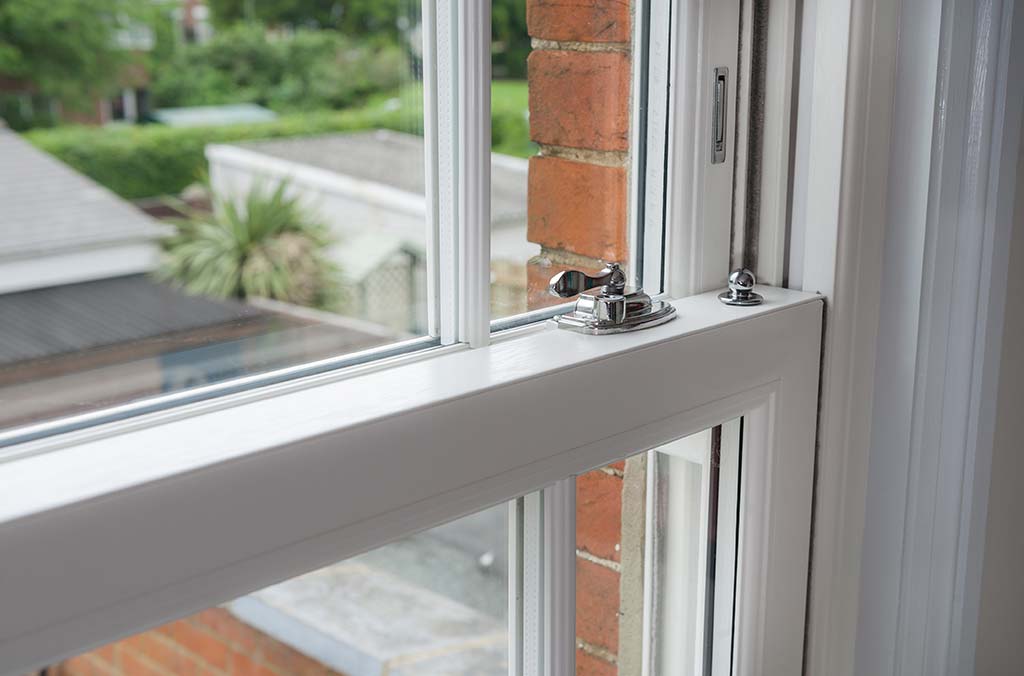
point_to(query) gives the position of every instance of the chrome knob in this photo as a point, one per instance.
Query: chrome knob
(605, 303)
(741, 289)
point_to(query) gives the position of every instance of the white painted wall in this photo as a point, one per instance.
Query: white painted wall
(73, 267)
(350, 206)
(1000, 640)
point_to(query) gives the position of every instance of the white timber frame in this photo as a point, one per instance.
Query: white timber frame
(697, 200)
(210, 505)
(457, 131)
(908, 127)
(180, 508)
(676, 562)
(769, 44)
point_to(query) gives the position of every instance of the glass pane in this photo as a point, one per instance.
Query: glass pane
(655, 544)
(434, 603)
(560, 139)
(194, 192)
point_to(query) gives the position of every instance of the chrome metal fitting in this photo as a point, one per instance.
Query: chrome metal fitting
(741, 289)
(606, 304)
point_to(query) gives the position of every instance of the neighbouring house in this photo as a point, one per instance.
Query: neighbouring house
(193, 21)
(22, 105)
(60, 227)
(369, 187)
(130, 99)
(68, 243)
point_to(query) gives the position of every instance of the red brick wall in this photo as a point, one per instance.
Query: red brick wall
(609, 569)
(210, 643)
(579, 73)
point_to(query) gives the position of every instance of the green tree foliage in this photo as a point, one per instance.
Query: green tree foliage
(510, 43)
(268, 247)
(148, 160)
(367, 19)
(306, 70)
(377, 20)
(65, 49)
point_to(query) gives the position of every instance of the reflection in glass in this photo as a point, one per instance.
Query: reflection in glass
(656, 557)
(202, 192)
(561, 152)
(433, 603)
(511, 146)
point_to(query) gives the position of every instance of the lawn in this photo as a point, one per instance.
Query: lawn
(510, 95)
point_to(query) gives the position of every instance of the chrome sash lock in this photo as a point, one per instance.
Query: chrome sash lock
(606, 304)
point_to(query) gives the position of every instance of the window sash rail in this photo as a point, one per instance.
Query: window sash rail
(170, 516)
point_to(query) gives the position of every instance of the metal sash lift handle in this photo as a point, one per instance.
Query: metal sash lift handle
(606, 304)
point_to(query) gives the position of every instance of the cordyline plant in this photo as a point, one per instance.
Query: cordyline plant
(268, 247)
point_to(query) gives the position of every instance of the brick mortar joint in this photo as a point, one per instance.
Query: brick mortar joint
(554, 256)
(597, 560)
(596, 651)
(579, 46)
(603, 158)
(180, 651)
(146, 660)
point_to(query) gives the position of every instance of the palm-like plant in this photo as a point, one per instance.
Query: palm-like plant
(269, 247)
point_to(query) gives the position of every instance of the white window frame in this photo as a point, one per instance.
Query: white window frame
(904, 140)
(210, 503)
(215, 498)
(676, 573)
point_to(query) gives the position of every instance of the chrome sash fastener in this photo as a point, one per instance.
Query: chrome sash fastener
(606, 304)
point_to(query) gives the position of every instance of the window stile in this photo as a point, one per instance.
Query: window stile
(474, 171)
(431, 165)
(698, 196)
(745, 150)
(558, 585)
(648, 132)
(444, 70)
(777, 134)
(462, 72)
(724, 599)
(532, 556)
(648, 662)
(515, 620)
(544, 626)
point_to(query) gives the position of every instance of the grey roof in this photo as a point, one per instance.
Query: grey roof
(141, 338)
(74, 317)
(46, 206)
(395, 159)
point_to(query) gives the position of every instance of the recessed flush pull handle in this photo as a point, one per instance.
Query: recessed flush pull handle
(718, 115)
(606, 304)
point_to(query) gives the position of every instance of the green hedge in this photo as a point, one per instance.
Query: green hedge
(150, 160)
